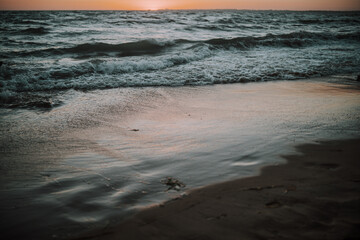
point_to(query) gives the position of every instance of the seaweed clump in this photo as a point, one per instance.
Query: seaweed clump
(173, 183)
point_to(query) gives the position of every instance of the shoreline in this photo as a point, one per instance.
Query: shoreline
(93, 171)
(315, 195)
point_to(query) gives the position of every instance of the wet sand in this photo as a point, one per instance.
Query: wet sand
(80, 167)
(314, 196)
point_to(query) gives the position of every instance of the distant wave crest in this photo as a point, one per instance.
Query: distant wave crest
(34, 31)
(125, 49)
(326, 21)
(153, 46)
(143, 47)
(294, 39)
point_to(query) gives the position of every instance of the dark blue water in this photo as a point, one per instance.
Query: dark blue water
(45, 53)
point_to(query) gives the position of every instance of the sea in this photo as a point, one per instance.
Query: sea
(107, 113)
(44, 53)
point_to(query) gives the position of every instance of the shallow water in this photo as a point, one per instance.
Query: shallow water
(81, 166)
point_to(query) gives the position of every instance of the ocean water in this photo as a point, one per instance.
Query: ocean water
(46, 53)
(75, 85)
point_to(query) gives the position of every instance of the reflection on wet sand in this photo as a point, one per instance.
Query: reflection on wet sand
(82, 165)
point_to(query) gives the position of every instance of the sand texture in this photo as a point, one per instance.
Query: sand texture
(314, 196)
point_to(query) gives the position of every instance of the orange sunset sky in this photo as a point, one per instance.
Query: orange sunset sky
(178, 4)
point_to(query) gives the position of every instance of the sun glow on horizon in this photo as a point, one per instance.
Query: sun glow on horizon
(152, 5)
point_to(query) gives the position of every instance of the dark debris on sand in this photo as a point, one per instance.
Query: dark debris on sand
(173, 183)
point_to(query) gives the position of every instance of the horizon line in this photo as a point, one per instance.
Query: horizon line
(195, 9)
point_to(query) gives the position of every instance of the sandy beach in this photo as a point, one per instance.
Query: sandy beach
(95, 161)
(314, 196)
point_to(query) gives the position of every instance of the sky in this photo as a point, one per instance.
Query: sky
(179, 4)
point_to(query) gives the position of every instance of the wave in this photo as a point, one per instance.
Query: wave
(226, 21)
(34, 31)
(294, 39)
(31, 22)
(198, 66)
(78, 33)
(111, 67)
(70, 77)
(148, 21)
(211, 27)
(326, 21)
(153, 46)
(143, 47)
(125, 49)
(99, 67)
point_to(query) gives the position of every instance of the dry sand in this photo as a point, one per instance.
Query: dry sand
(314, 196)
